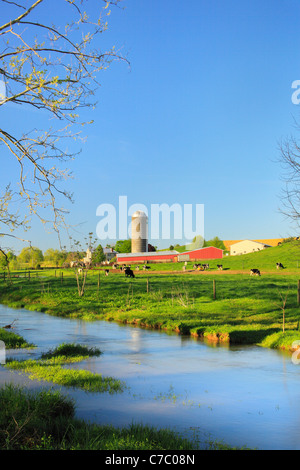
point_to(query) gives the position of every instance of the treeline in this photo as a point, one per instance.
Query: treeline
(33, 257)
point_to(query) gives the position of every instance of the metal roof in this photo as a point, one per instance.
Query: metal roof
(149, 253)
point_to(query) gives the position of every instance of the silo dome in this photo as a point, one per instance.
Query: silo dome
(139, 232)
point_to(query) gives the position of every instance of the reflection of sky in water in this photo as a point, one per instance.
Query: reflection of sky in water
(244, 396)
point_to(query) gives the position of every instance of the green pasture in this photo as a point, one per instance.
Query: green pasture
(217, 305)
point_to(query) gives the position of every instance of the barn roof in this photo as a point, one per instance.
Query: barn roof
(148, 253)
(200, 249)
(252, 241)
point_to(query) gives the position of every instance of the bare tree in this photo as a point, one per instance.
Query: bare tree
(80, 264)
(52, 69)
(290, 159)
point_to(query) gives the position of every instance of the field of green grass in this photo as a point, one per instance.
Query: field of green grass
(227, 305)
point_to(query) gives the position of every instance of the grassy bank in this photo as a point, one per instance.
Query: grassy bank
(45, 421)
(13, 340)
(214, 305)
(50, 368)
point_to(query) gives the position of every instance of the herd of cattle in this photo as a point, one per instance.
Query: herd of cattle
(197, 266)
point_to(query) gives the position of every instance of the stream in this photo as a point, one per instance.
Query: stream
(241, 395)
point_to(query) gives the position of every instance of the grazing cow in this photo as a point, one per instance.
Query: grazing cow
(129, 272)
(146, 267)
(220, 267)
(255, 272)
(106, 272)
(137, 268)
(198, 267)
(205, 266)
(279, 266)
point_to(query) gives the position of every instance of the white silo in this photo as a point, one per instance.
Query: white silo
(139, 232)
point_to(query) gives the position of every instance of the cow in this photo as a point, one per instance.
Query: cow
(254, 272)
(196, 266)
(129, 272)
(106, 272)
(146, 267)
(79, 271)
(279, 266)
(137, 268)
(205, 266)
(220, 267)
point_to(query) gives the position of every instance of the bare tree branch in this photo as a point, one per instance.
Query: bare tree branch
(52, 68)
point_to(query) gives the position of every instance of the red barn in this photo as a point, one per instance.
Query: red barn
(151, 256)
(209, 252)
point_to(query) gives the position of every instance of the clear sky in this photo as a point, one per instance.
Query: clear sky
(196, 119)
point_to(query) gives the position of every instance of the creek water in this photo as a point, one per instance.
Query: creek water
(243, 396)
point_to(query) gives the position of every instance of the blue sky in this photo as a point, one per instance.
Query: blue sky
(196, 119)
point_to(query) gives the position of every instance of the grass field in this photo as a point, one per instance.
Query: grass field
(226, 305)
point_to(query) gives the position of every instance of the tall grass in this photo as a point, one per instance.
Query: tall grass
(45, 421)
(13, 340)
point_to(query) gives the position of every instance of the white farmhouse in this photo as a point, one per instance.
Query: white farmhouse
(246, 246)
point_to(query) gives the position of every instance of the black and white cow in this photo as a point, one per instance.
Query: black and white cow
(254, 272)
(220, 267)
(129, 272)
(106, 272)
(279, 266)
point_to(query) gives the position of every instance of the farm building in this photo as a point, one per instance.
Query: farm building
(146, 257)
(267, 241)
(170, 256)
(109, 253)
(247, 246)
(209, 252)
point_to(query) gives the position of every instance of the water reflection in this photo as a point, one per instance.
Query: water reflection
(242, 395)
